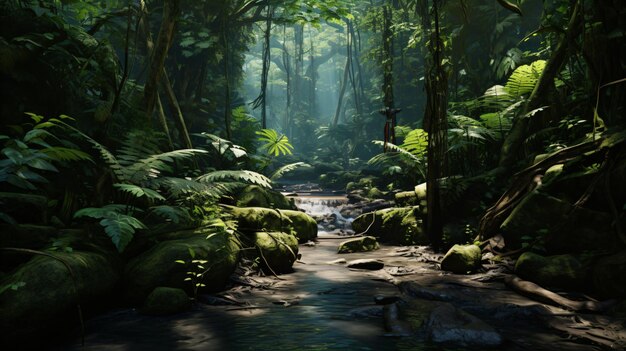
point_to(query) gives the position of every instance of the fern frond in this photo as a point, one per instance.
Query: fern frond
(118, 226)
(139, 192)
(153, 165)
(172, 213)
(238, 176)
(288, 168)
(523, 80)
(398, 149)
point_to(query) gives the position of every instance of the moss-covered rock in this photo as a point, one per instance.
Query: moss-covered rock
(375, 193)
(277, 251)
(304, 226)
(163, 301)
(461, 259)
(398, 225)
(566, 229)
(254, 219)
(362, 244)
(47, 294)
(609, 276)
(256, 196)
(415, 197)
(560, 271)
(158, 267)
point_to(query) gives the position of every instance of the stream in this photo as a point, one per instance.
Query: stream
(326, 306)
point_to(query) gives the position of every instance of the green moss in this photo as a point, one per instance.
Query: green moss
(276, 251)
(366, 243)
(256, 196)
(462, 259)
(560, 271)
(47, 297)
(398, 225)
(158, 267)
(254, 219)
(304, 226)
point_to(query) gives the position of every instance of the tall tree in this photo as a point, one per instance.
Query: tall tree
(435, 123)
(171, 11)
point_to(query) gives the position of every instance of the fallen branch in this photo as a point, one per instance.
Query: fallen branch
(538, 293)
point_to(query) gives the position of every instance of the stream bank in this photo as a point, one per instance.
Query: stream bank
(325, 305)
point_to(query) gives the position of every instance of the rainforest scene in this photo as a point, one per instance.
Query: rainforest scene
(313, 175)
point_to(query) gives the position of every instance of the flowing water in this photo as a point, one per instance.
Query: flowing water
(321, 297)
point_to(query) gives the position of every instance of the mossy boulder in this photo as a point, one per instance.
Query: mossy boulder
(362, 244)
(158, 267)
(397, 225)
(567, 229)
(47, 294)
(256, 196)
(609, 276)
(559, 271)
(164, 301)
(375, 193)
(277, 251)
(415, 197)
(304, 226)
(254, 219)
(461, 259)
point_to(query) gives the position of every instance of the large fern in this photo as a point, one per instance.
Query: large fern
(119, 226)
(236, 176)
(523, 80)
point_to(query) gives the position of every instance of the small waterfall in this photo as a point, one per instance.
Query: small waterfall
(325, 210)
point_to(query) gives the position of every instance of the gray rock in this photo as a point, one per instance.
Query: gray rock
(450, 325)
(369, 264)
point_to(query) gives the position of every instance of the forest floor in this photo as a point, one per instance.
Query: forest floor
(326, 305)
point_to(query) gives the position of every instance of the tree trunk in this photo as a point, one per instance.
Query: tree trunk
(387, 57)
(176, 111)
(436, 118)
(342, 92)
(171, 11)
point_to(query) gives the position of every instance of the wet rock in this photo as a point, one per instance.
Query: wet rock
(158, 267)
(450, 325)
(338, 261)
(561, 271)
(393, 324)
(165, 301)
(256, 196)
(369, 264)
(46, 294)
(362, 244)
(398, 225)
(310, 244)
(609, 275)
(416, 290)
(277, 251)
(462, 259)
(366, 312)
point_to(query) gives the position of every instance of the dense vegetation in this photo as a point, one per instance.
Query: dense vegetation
(135, 135)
